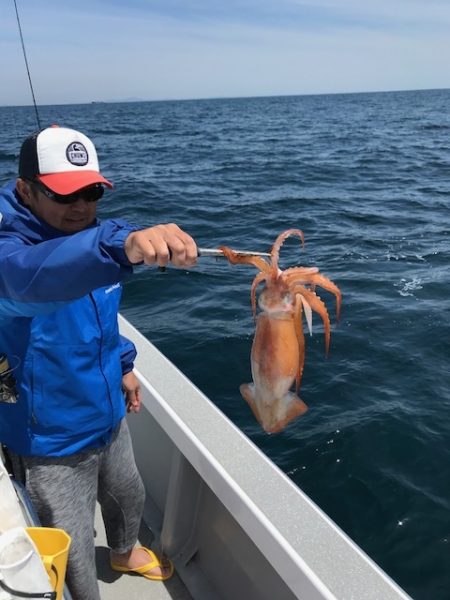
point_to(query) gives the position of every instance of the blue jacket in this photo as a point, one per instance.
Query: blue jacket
(59, 300)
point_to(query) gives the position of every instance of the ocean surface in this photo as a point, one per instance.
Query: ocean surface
(367, 179)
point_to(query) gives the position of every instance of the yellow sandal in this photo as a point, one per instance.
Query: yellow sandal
(155, 562)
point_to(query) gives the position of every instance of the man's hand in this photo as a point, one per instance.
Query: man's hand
(160, 245)
(132, 390)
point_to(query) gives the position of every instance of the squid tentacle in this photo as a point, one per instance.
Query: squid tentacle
(302, 275)
(279, 242)
(236, 258)
(301, 270)
(329, 286)
(318, 306)
(296, 275)
(258, 279)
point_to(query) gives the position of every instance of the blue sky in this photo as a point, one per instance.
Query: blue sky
(86, 50)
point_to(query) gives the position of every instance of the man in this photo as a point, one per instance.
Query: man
(60, 274)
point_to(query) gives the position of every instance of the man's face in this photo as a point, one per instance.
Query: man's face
(69, 218)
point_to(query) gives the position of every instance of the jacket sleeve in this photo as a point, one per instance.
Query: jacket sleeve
(65, 268)
(127, 354)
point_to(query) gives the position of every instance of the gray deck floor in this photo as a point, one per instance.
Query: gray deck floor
(117, 586)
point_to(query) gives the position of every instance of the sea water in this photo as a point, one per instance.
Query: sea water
(367, 179)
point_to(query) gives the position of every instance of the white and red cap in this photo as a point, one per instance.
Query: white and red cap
(63, 159)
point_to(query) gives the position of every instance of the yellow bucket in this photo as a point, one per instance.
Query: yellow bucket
(53, 546)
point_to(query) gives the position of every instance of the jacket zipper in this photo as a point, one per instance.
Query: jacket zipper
(100, 354)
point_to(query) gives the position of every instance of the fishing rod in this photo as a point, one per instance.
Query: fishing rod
(28, 69)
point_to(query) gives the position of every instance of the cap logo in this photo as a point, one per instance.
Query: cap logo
(77, 154)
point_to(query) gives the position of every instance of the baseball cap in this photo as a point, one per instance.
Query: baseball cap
(63, 159)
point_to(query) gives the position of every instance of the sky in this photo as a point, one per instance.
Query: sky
(110, 50)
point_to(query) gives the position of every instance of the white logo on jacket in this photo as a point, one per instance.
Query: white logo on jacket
(112, 288)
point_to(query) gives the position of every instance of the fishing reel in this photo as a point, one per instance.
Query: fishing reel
(8, 390)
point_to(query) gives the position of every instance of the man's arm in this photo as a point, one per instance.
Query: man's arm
(130, 383)
(64, 268)
(127, 354)
(68, 267)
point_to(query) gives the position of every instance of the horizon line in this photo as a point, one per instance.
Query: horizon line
(137, 100)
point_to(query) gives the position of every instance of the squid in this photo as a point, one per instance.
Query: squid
(278, 349)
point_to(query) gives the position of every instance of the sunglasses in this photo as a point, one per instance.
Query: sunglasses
(88, 194)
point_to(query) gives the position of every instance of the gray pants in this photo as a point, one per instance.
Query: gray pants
(64, 491)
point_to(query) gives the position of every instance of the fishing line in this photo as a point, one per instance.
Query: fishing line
(28, 69)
